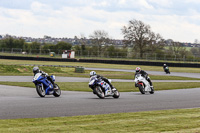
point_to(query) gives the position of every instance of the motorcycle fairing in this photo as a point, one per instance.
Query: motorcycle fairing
(41, 80)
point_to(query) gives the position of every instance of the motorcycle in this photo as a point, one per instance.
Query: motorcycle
(143, 84)
(166, 69)
(44, 86)
(102, 89)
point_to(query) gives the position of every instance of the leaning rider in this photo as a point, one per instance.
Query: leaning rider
(93, 73)
(37, 70)
(164, 66)
(144, 74)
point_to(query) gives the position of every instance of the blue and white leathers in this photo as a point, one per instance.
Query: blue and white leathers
(42, 81)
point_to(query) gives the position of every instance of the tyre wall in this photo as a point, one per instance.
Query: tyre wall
(123, 62)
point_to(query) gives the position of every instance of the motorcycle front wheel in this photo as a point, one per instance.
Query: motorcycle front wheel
(141, 88)
(57, 91)
(99, 92)
(40, 90)
(116, 93)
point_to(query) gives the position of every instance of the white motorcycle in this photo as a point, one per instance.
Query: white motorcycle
(143, 84)
(102, 89)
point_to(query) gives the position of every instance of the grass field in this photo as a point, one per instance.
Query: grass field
(165, 121)
(122, 87)
(170, 121)
(101, 65)
(14, 70)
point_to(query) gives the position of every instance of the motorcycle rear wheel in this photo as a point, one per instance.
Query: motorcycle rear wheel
(40, 90)
(57, 92)
(99, 92)
(141, 88)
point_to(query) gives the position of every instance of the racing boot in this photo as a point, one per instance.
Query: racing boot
(152, 90)
(55, 86)
(112, 88)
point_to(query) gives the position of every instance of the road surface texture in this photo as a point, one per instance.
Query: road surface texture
(23, 102)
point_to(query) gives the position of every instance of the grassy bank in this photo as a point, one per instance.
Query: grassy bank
(173, 121)
(101, 65)
(122, 87)
(14, 70)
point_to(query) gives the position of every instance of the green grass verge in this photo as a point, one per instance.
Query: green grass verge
(170, 121)
(122, 87)
(101, 65)
(70, 72)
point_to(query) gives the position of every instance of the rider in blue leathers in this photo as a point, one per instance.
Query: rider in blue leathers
(37, 70)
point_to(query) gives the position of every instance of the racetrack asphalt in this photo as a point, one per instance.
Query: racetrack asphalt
(23, 102)
(78, 79)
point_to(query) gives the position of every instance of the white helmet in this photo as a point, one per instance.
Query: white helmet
(92, 73)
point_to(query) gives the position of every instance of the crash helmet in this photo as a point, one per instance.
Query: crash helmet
(92, 73)
(138, 69)
(36, 69)
(164, 65)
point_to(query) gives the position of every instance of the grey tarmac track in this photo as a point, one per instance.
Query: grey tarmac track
(181, 74)
(77, 79)
(23, 102)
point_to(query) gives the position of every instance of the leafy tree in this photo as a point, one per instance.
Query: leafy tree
(140, 36)
(8, 43)
(194, 51)
(114, 52)
(111, 51)
(63, 46)
(34, 47)
(48, 48)
(60, 46)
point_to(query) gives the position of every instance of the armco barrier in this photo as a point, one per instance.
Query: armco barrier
(124, 62)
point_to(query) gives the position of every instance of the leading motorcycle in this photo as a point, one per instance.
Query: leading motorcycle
(44, 86)
(143, 84)
(102, 89)
(166, 69)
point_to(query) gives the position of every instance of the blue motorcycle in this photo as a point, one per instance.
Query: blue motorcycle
(102, 89)
(45, 87)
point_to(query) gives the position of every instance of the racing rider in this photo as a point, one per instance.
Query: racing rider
(144, 74)
(164, 66)
(93, 73)
(37, 70)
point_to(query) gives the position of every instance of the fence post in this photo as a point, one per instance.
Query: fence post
(146, 56)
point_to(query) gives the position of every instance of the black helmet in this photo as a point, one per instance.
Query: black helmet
(36, 70)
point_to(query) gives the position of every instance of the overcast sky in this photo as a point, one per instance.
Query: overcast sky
(173, 19)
